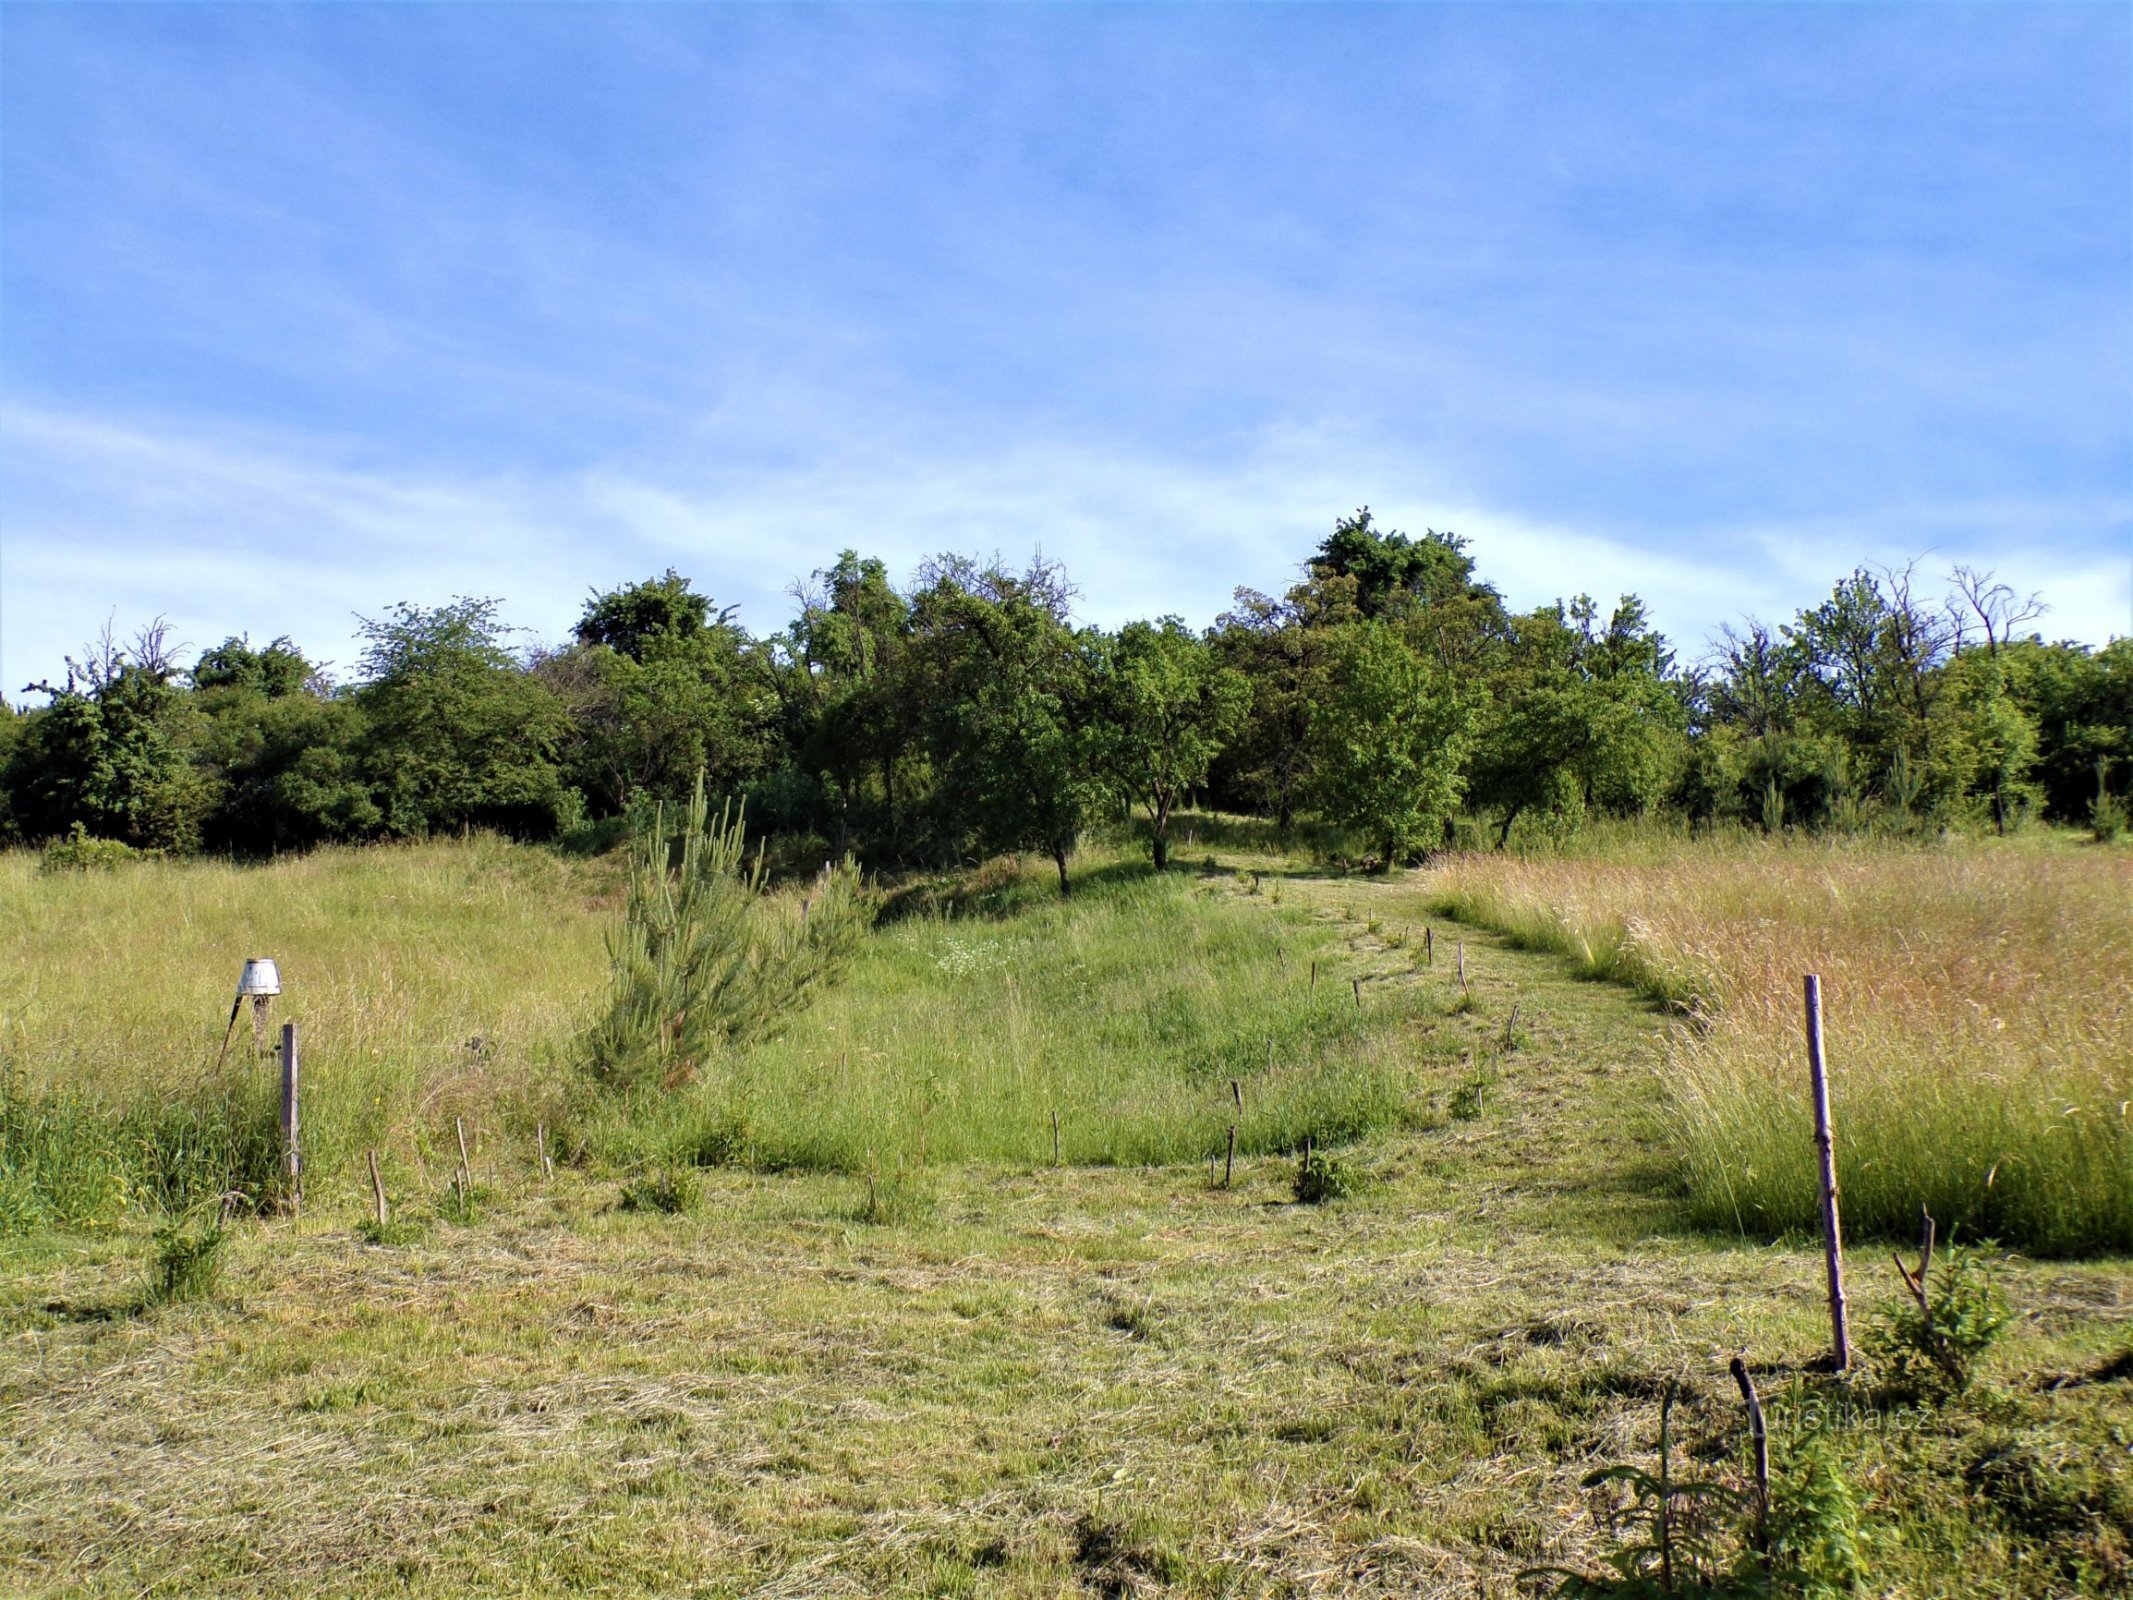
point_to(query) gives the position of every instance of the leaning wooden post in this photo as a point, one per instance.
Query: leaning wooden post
(1314, 977)
(1229, 1160)
(1826, 1154)
(1429, 945)
(1759, 1438)
(540, 1140)
(1463, 989)
(466, 1169)
(292, 1161)
(377, 1190)
(1055, 1138)
(1357, 985)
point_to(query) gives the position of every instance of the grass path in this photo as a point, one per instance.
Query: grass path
(1055, 1382)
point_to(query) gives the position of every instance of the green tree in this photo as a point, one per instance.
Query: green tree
(112, 751)
(1392, 735)
(658, 690)
(1170, 706)
(457, 733)
(1009, 712)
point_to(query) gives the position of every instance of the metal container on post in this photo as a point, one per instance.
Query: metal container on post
(259, 982)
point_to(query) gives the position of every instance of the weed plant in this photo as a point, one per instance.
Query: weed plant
(670, 1191)
(187, 1264)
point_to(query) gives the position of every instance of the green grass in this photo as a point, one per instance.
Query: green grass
(1126, 1011)
(935, 1364)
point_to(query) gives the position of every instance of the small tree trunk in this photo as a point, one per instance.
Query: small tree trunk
(1059, 855)
(1159, 840)
(1387, 867)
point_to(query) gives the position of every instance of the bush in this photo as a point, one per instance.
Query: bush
(671, 1191)
(893, 1195)
(1932, 1341)
(188, 1263)
(2107, 817)
(78, 852)
(1320, 1177)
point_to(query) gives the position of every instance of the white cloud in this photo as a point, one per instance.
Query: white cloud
(249, 532)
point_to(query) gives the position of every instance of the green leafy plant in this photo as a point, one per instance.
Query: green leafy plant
(80, 852)
(1814, 1537)
(894, 1194)
(1469, 1099)
(2107, 812)
(461, 1204)
(1797, 1533)
(1674, 1536)
(187, 1263)
(1320, 1177)
(671, 1191)
(1932, 1340)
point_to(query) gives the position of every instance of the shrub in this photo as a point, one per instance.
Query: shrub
(1320, 1177)
(702, 960)
(671, 1191)
(2107, 817)
(1932, 1341)
(895, 1194)
(187, 1265)
(78, 852)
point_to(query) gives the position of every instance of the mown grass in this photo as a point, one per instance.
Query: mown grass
(1979, 1020)
(931, 1368)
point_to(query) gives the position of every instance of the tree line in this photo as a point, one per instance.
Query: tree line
(1389, 692)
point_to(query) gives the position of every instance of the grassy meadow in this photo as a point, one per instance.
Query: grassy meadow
(1979, 1019)
(829, 1319)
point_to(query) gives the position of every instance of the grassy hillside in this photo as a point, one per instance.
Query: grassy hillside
(888, 1347)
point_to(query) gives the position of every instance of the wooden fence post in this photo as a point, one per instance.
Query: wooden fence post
(1826, 1155)
(377, 1190)
(291, 1152)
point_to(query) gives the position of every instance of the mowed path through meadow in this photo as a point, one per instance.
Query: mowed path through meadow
(1050, 1381)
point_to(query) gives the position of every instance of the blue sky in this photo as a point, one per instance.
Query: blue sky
(305, 310)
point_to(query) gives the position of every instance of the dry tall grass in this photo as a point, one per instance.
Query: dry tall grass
(1980, 1021)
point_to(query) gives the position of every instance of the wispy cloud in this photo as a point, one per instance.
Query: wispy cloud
(264, 534)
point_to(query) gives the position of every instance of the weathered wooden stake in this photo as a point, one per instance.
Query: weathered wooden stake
(540, 1145)
(1510, 1026)
(1236, 1093)
(1229, 1161)
(466, 1170)
(1826, 1154)
(1463, 989)
(1357, 985)
(1314, 977)
(1429, 945)
(291, 1151)
(1055, 1138)
(377, 1189)
(1759, 1437)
